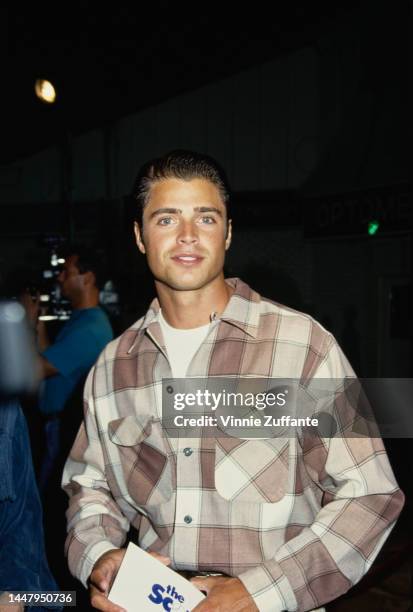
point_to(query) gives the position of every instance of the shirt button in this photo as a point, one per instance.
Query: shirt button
(188, 519)
(188, 451)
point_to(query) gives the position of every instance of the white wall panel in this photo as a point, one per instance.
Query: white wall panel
(275, 94)
(246, 154)
(88, 169)
(303, 116)
(35, 179)
(220, 123)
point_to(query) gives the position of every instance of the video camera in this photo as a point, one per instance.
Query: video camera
(53, 304)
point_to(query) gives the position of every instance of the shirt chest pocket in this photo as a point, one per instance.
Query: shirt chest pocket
(143, 457)
(252, 470)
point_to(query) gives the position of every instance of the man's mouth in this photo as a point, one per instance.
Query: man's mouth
(187, 260)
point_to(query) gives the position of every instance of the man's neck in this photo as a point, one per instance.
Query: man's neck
(88, 300)
(190, 309)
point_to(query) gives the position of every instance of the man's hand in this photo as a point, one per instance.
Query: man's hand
(9, 607)
(224, 594)
(103, 575)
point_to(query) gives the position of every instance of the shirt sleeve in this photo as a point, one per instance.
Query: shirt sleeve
(78, 350)
(361, 502)
(95, 523)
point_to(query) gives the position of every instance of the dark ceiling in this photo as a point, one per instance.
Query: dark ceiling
(110, 61)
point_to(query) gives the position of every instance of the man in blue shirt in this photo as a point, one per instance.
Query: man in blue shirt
(64, 364)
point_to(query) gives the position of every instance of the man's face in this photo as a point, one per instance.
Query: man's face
(70, 280)
(184, 233)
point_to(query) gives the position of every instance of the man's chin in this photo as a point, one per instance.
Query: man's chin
(182, 284)
(186, 286)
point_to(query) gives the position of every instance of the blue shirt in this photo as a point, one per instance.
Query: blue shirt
(23, 563)
(77, 346)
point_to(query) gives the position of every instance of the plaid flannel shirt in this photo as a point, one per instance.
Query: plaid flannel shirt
(299, 521)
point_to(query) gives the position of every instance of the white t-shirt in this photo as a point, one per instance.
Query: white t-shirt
(181, 345)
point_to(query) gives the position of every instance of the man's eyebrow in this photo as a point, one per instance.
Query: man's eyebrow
(162, 211)
(207, 209)
(174, 211)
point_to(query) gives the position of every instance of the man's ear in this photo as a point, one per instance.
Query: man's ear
(139, 239)
(89, 278)
(229, 235)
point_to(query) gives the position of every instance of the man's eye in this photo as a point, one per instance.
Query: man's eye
(208, 220)
(165, 221)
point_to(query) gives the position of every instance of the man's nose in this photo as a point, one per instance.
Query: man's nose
(188, 233)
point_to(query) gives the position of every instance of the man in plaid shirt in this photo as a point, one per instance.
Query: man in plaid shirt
(289, 523)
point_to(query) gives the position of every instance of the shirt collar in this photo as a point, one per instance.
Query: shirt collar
(243, 308)
(242, 311)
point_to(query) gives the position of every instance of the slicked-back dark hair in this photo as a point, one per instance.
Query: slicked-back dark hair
(179, 164)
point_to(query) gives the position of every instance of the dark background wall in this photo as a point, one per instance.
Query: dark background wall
(315, 141)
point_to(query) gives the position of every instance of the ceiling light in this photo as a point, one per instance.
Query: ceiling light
(45, 91)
